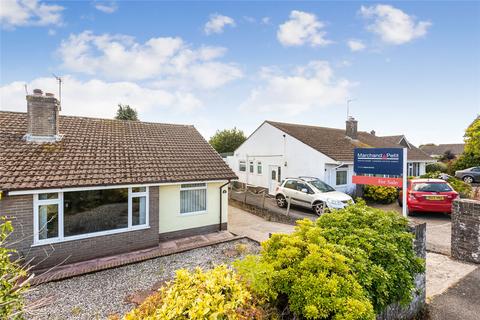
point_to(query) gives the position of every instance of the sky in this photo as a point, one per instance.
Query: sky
(407, 67)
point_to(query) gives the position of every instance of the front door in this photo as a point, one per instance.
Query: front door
(274, 178)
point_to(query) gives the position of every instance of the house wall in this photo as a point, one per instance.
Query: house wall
(173, 224)
(268, 145)
(20, 210)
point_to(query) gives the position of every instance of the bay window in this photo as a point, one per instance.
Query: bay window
(72, 215)
(193, 198)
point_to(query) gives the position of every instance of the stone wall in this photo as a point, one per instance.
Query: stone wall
(466, 230)
(417, 306)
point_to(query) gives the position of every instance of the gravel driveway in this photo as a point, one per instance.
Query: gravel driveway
(100, 294)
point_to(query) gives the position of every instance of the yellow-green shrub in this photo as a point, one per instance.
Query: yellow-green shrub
(213, 294)
(380, 194)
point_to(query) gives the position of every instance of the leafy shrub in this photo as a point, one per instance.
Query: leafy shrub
(13, 279)
(213, 294)
(463, 189)
(348, 264)
(436, 166)
(380, 194)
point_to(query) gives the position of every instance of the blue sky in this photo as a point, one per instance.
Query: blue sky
(410, 67)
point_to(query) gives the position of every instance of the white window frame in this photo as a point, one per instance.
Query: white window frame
(259, 165)
(193, 213)
(346, 179)
(240, 166)
(251, 167)
(61, 238)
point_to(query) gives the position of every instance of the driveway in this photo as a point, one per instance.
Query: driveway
(439, 227)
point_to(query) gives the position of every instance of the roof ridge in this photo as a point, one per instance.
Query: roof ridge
(108, 119)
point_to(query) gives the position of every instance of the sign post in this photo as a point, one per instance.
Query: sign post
(404, 184)
(382, 161)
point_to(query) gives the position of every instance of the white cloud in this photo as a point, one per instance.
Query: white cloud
(311, 86)
(302, 28)
(393, 25)
(20, 13)
(266, 20)
(165, 60)
(106, 7)
(97, 98)
(356, 45)
(217, 23)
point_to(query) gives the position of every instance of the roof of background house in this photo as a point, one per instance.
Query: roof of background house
(336, 145)
(455, 148)
(96, 152)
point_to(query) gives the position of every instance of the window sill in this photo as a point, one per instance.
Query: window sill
(197, 213)
(89, 235)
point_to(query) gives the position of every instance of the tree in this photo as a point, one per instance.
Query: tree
(447, 156)
(227, 140)
(125, 112)
(472, 138)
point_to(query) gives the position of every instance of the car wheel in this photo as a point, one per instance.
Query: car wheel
(318, 208)
(467, 179)
(281, 201)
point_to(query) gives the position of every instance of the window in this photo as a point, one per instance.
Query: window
(80, 214)
(242, 166)
(301, 186)
(414, 169)
(259, 167)
(251, 167)
(193, 198)
(279, 176)
(432, 187)
(274, 175)
(290, 184)
(341, 177)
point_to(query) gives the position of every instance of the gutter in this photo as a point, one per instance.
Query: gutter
(220, 190)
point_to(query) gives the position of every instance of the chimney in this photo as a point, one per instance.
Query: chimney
(43, 118)
(372, 132)
(351, 128)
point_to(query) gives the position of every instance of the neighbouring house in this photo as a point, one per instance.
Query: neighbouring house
(437, 151)
(79, 188)
(277, 150)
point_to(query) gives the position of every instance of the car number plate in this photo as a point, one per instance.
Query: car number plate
(434, 197)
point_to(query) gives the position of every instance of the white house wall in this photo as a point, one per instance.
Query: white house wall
(269, 146)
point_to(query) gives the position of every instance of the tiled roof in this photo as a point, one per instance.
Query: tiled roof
(336, 145)
(455, 148)
(105, 152)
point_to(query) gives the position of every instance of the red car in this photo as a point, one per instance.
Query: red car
(429, 195)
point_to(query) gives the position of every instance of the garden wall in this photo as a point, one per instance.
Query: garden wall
(466, 230)
(417, 305)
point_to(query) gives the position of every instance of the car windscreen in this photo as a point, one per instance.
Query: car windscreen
(431, 187)
(322, 186)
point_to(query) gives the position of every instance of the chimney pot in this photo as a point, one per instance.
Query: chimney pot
(372, 132)
(351, 128)
(37, 92)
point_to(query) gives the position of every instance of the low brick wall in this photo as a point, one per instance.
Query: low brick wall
(466, 230)
(263, 212)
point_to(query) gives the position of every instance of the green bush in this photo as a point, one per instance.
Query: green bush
(463, 189)
(213, 294)
(13, 279)
(436, 166)
(348, 264)
(380, 194)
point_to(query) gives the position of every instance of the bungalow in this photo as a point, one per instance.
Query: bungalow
(79, 188)
(437, 151)
(277, 150)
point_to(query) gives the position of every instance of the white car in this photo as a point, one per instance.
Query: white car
(312, 193)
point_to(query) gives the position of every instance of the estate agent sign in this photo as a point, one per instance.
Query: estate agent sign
(381, 161)
(386, 161)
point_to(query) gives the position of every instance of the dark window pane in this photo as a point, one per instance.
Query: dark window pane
(94, 211)
(139, 210)
(47, 221)
(139, 189)
(291, 184)
(47, 196)
(274, 175)
(432, 187)
(341, 177)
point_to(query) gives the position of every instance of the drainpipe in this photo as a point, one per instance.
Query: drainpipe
(220, 218)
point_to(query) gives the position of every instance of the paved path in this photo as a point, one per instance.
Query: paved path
(460, 301)
(243, 223)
